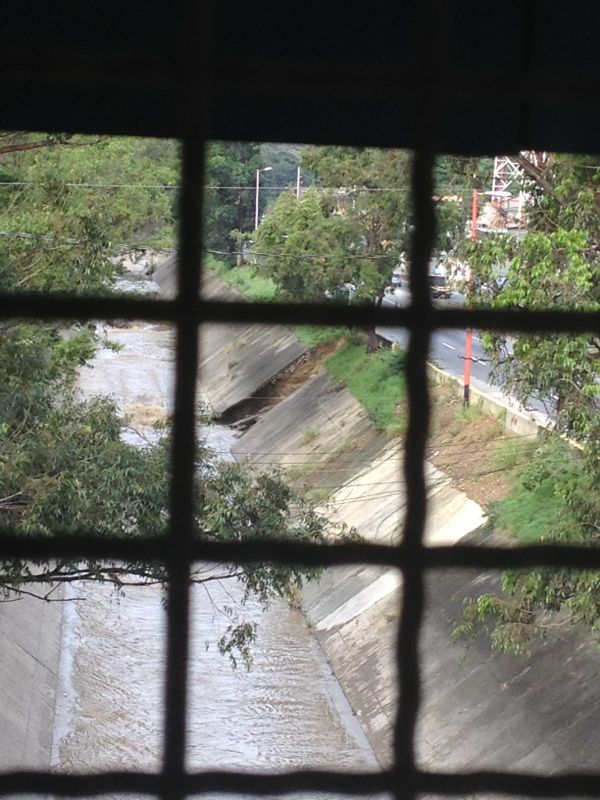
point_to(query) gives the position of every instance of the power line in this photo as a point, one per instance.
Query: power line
(142, 247)
(519, 440)
(309, 256)
(217, 187)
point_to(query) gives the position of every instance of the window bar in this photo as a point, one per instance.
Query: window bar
(414, 477)
(429, 59)
(183, 461)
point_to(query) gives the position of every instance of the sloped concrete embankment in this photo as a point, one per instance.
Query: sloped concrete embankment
(323, 437)
(236, 360)
(480, 709)
(30, 633)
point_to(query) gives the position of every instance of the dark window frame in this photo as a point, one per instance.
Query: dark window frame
(188, 311)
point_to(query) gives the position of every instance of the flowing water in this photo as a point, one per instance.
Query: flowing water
(287, 712)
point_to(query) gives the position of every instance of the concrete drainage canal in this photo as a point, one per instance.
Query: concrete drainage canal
(287, 712)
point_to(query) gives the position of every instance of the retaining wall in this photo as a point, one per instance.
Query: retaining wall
(480, 709)
(30, 638)
(236, 360)
(513, 418)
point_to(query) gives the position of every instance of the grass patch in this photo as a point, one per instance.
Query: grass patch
(515, 452)
(246, 279)
(315, 335)
(309, 435)
(375, 379)
(470, 413)
(529, 512)
(537, 500)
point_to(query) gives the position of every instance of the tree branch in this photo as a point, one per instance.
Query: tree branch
(17, 147)
(537, 175)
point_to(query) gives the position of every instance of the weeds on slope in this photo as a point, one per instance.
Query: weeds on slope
(375, 379)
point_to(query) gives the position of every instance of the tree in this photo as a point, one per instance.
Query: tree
(229, 197)
(555, 264)
(373, 188)
(89, 193)
(306, 248)
(362, 197)
(64, 466)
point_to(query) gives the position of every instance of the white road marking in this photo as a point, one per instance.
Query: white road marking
(449, 346)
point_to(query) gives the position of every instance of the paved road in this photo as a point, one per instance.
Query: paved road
(448, 353)
(447, 345)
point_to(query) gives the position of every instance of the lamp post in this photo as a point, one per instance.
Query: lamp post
(258, 171)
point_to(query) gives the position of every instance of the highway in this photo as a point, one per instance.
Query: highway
(448, 353)
(447, 344)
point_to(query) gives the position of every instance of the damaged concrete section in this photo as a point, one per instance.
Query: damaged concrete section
(235, 359)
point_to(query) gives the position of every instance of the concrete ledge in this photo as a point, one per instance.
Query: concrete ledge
(514, 420)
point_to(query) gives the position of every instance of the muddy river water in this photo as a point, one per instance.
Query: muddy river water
(287, 712)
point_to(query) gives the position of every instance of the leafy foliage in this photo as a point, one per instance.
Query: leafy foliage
(70, 206)
(357, 229)
(555, 264)
(64, 467)
(231, 167)
(302, 247)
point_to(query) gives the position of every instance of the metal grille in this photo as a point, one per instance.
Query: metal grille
(179, 549)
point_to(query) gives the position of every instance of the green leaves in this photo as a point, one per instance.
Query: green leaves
(556, 499)
(302, 245)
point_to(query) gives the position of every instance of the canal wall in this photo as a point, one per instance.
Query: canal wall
(30, 637)
(236, 360)
(480, 709)
(323, 437)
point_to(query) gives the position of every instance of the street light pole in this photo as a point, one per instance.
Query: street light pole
(469, 338)
(256, 212)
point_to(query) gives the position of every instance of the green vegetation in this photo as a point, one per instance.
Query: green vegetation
(303, 246)
(557, 495)
(64, 468)
(245, 279)
(376, 380)
(471, 413)
(517, 451)
(309, 435)
(316, 335)
(228, 203)
(529, 511)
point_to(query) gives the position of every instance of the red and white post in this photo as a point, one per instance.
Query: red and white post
(469, 336)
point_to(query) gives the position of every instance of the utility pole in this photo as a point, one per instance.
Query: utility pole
(469, 336)
(298, 179)
(256, 211)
